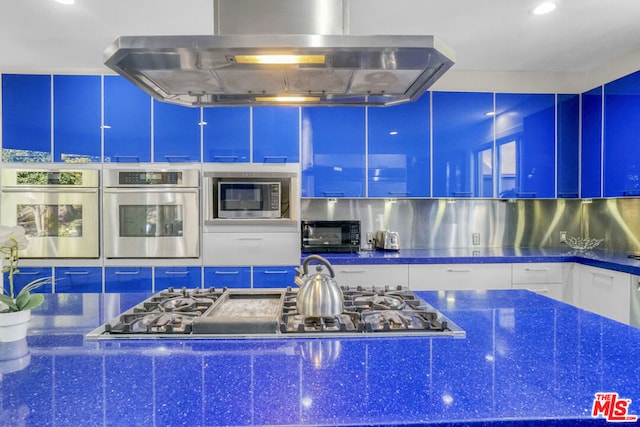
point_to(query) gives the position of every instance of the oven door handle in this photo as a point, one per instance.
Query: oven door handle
(48, 190)
(163, 190)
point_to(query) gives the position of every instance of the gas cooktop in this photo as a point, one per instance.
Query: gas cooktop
(249, 313)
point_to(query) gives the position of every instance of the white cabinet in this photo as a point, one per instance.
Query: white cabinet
(371, 275)
(266, 249)
(605, 292)
(551, 279)
(459, 276)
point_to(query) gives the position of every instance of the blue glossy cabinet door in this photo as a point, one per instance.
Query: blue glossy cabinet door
(227, 277)
(176, 133)
(227, 134)
(591, 149)
(525, 145)
(128, 279)
(276, 134)
(568, 146)
(463, 144)
(399, 150)
(333, 152)
(78, 279)
(77, 115)
(177, 277)
(27, 275)
(127, 122)
(274, 277)
(26, 118)
(621, 137)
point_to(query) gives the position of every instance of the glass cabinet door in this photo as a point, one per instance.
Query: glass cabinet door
(462, 144)
(591, 152)
(568, 134)
(176, 133)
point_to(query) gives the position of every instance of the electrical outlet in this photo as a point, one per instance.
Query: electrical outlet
(476, 238)
(563, 236)
(369, 237)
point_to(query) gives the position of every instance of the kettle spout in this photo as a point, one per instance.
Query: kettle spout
(301, 277)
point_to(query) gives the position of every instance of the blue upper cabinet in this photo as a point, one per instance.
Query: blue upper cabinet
(276, 134)
(77, 115)
(591, 150)
(26, 118)
(333, 152)
(525, 145)
(127, 122)
(227, 134)
(399, 150)
(176, 133)
(463, 144)
(568, 157)
(622, 136)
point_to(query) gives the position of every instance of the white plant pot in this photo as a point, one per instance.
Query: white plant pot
(14, 325)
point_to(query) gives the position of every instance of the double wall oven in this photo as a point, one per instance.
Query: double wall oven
(151, 213)
(57, 208)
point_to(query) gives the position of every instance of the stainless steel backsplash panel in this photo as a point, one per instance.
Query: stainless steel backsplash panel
(440, 223)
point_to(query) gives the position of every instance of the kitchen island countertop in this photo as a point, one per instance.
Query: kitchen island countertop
(525, 359)
(618, 261)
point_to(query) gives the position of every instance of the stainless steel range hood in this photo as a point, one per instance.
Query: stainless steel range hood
(260, 67)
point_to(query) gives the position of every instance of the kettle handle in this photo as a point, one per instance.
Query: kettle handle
(321, 260)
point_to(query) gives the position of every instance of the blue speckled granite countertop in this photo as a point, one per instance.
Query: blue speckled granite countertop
(597, 258)
(525, 358)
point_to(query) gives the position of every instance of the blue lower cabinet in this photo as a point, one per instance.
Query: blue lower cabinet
(273, 277)
(227, 277)
(78, 279)
(26, 275)
(177, 277)
(128, 279)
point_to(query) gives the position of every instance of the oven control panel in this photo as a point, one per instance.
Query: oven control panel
(149, 178)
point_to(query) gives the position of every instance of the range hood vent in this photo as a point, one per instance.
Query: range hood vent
(300, 69)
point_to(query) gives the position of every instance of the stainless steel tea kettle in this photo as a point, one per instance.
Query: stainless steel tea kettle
(319, 295)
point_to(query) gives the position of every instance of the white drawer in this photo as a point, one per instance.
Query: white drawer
(460, 276)
(251, 249)
(372, 275)
(537, 273)
(551, 290)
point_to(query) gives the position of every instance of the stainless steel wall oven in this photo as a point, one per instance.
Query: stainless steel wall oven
(57, 208)
(151, 213)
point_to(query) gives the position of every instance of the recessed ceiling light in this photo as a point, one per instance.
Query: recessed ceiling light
(544, 7)
(66, 1)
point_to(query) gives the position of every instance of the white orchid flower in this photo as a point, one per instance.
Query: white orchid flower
(13, 235)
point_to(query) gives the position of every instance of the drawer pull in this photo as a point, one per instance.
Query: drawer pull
(606, 276)
(29, 273)
(72, 273)
(176, 273)
(275, 272)
(125, 273)
(459, 270)
(539, 291)
(249, 238)
(226, 272)
(537, 269)
(353, 271)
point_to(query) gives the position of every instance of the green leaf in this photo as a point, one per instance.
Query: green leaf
(7, 300)
(33, 302)
(22, 299)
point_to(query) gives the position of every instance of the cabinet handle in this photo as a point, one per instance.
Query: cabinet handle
(539, 291)
(177, 158)
(127, 159)
(526, 194)
(606, 276)
(249, 238)
(176, 273)
(226, 158)
(352, 271)
(399, 193)
(73, 273)
(459, 270)
(333, 193)
(274, 159)
(537, 269)
(29, 273)
(226, 272)
(275, 272)
(630, 192)
(462, 193)
(126, 273)
(567, 195)
(105, 127)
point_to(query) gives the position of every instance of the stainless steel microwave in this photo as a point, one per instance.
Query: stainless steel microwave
(246, 199)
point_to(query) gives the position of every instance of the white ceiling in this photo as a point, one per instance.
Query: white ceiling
(487, 35)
